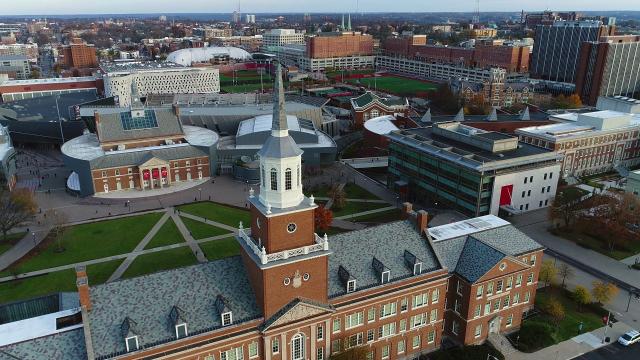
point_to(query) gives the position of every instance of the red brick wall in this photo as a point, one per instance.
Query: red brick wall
(341, 45)
(273, 230)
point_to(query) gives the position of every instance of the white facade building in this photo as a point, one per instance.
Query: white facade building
(277, 37)
(157, 78)
(295, 54)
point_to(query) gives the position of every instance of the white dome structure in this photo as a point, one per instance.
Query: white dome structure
(186, 57)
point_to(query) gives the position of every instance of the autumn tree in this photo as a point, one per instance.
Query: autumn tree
(547, 272)
(566, 205)
(337, 194)
(16, 207)
(564, 272)
(477, 106)
(611, 216)
(603, 292)
(323, 218)
(555, 310)
(581, 296)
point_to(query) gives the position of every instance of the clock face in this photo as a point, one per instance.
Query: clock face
(291, 227)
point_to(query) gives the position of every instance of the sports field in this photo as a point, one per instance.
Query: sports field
(395, 85)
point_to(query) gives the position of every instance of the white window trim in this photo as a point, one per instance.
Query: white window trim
(351, 286)
(186, 332)
(230, 318)
(249, 350)
(126, 342)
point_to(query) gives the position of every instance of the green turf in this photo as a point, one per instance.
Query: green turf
(10, 240)
(87, 242)
(396, 85)
(217, 212)
(58, 281)
(353, 207)
(379, 217)
(161, 260)
(246, 87)
(218, 249)
(354, 191)
(167, 235)
(200, 230)
(245, 75)
(593, 243)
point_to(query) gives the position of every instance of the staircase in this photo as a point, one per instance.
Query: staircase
(500, 342)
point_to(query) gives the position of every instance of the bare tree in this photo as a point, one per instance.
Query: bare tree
(57, 220)
(15, 208)
(565, 272)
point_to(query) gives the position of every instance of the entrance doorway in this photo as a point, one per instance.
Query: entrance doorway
(494, 325)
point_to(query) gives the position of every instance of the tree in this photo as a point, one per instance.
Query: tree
(323, 218)
(57, 220)
(555, 309)
(547, 272)
(16, 207)
(477, 106)
(603, 292)
(565, 205)
(581, 296)
(565, 271)
(610, 216)
(337, 194)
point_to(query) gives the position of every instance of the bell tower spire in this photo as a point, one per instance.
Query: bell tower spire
(279, 126)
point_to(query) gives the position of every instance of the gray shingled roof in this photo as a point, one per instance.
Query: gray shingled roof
(476, 259)
(65, 345)
(509, 240)
(110, 127)
(280, 147)
(355, 251)
(148, 301)
(138, 157)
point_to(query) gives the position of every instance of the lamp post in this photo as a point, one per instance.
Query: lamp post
(632, 291)
(200, 191)
(33, 235)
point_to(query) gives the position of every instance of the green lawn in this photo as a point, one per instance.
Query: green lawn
(568, 327)
(338, 73)
(10, 240)
(573, 191)
(161, 260)
(246, 87)
(217, 212)
(396, 85)
(245, 75)
(58, 281)
(218, 249)
(87, 242)
(167, 235)
(595, 244)
(354, 191)
(380, 217)
(353, 207)
(200, 230)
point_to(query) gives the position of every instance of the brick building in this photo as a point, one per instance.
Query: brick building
(341, 44)
(293, 294)
(495, 91)
(369, 105)
(138, 148)
(26, 89)
(79, 54)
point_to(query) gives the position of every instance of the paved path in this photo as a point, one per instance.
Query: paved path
(141, 245)
(208, 221)
(187, 236)
(368, 212)
(375, 201)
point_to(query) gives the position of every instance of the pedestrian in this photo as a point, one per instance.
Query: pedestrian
(209, 197)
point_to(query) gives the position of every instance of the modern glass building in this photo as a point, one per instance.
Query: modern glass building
(470, 170)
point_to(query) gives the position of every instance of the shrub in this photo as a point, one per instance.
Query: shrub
(534, 336)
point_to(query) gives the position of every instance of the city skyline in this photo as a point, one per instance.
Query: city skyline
(71, 7)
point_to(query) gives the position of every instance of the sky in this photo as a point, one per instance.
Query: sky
(57, 7)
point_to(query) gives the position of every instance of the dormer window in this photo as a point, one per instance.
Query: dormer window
(351, 286)
(274, 179)
(382, 271)
(413, 263)
(417, 268)
(181, 331)
(132, 343)
(385, 277)
(227, 318)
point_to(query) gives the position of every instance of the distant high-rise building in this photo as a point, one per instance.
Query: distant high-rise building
(609, 67)
(250, 19)
(79, 54)
(162, 18)
(556, 48)
(235, 17)
(277, 37)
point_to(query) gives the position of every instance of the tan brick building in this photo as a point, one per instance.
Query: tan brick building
(293, 294)
(79, 54)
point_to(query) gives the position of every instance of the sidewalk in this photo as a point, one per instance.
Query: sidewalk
(568, 349)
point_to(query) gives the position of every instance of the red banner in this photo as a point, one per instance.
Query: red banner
(164, 172)
(146, 174)
(155, 173)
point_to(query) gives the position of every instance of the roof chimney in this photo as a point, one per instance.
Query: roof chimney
(82, 283)
(422, 220)
(407, 208)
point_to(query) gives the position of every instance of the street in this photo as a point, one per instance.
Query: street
(612, 351)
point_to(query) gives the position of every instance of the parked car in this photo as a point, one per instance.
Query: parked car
(629, 338)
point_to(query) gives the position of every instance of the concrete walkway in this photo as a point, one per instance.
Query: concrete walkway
(141, 245)
(368, 212)
(208, 221)
(568, 349)
(188, 237)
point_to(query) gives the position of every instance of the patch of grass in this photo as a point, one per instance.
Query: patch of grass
(573, 192)
(395, 84)
(354, 207)
(200, 230)
(11, 239)
(354, 191)
(380, 217)
(246, 87)
(593, 243)
(566, 329)
(167, 235)
(161, 260)
(218, 249)
(87, 242)
(224, 214)
(59, 281)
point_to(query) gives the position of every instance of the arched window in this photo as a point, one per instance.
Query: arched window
(274, 179)
(297, 347)
(287, 179)
(263, 178)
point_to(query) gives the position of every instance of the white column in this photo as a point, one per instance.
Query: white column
(283, 346)
(267, 348)
(327, 336)
(313, 340)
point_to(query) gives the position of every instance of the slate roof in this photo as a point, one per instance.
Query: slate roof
(110, 127)
(148, 301)
(139, 157)
(369, 97)
(280, 147)
(355, 251)
(476, 259)
(65, 345)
